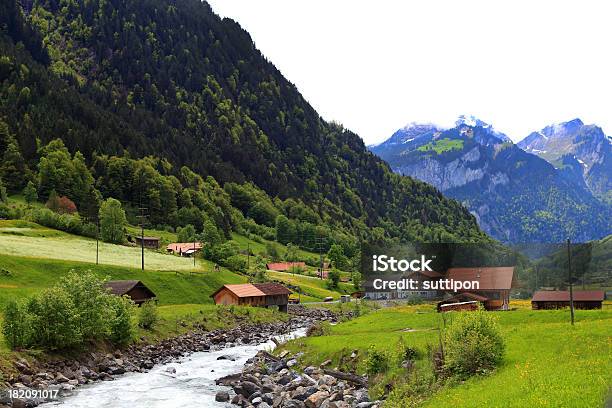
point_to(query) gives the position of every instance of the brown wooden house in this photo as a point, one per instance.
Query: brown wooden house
(136, 290)
(559, 299)
(149, 242)
(253, 294)
(494, 284)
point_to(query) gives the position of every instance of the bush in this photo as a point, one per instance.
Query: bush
(63, 222)
(236, 263)
(377, 361)
(472, 344)
(148, 315)
(333, 278)
(76, 310)
(318, 329)
(121, 327)
(91, 299)
(54, 320)
(15, 325)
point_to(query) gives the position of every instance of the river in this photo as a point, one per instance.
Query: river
(193, 384)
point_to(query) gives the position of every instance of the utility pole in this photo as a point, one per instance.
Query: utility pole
(194, 252)
(248, 256)
(569, 271)
(97, 239)
(320, 241)
(142, 218)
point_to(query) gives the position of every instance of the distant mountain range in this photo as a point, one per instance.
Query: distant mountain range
(552, 185)
(581, 151)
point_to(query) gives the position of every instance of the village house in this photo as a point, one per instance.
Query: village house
(184, 248)
(147, 242)
(134, 289)
(494, 285)
(559, 299)
(253, 294)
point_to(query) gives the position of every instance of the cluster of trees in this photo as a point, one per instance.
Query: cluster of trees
(75, 311)
(180, 87)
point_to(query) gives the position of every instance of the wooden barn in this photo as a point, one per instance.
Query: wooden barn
(253, 294)
(494, 284)
(149, 242)
(559, 299)
(136, 290)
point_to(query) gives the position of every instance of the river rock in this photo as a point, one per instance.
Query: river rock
(222, 396)
(316, 399)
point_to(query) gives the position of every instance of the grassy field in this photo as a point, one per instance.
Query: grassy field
(314, 288)
(547, 362)
(21, 238)
(22, 276)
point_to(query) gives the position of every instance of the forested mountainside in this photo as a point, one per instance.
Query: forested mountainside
(127, 79)
(516, 196)
(581, 151)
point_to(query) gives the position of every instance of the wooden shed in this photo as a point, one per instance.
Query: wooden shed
(253, 294)
(558, 299)
(136, 290)
(149, 242)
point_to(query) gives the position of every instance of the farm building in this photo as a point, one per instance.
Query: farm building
(184, 248)
(136, 290)
(149, 242)
(253, 294)
(285, 266)
(494, 284)
(558, 299)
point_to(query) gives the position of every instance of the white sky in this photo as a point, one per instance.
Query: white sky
(374, 66)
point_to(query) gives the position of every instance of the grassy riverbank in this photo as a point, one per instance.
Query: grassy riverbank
(547, 363)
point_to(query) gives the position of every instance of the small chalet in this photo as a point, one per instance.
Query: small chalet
(136, 290)
(147, 242)
(253, 294)
(494, 286)
(558, 299)
(284, 266)
(184, 248)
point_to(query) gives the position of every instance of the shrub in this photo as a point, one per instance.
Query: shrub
(121, 327)
(76, 310)
(333, 278)
(54, 318)
(472, 344)
(377, 361)
(236, 263)
(15, 326)
(91, 299)
(318, 329)
(149, 316)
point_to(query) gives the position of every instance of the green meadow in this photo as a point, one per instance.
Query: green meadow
(547, 362)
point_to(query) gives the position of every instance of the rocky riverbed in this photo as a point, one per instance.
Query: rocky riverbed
(67, 374)
(268, 381)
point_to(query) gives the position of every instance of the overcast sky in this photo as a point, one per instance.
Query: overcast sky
(375, 66)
